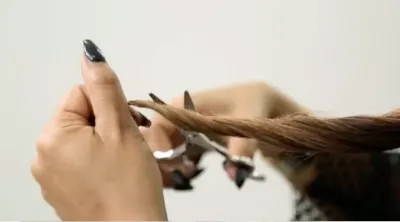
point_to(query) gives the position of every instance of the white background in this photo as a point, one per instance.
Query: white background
(335, 57)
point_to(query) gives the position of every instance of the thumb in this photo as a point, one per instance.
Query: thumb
(108, 101)
(74, 109)
(239, 149)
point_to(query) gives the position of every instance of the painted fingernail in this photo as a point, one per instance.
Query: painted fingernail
(197, 172)
(241, 176)
(140, 119)
(156, 99)
(144, 121)
(237, 173)
(92, 52)
(180, 181)
(230, 169)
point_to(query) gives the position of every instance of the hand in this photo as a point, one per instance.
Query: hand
(249, 100)
(93, 163)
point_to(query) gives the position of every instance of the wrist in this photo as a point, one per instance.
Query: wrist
(150, 210)
(148, 214)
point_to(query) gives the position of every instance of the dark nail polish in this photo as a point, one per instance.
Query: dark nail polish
(241, 176)
(140, 119)
(229, 169)
(197, 172)
(156, 99)
(180, 181)
(92, 52)
(225, 163)
(144, 121)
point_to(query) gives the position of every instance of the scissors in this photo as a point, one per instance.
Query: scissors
(198, 143)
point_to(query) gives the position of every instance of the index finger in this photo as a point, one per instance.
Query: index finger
(74, 109)
(105, 93)
(162, 135)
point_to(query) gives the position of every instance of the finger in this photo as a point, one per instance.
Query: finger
(239, 149)
(74, 109)
(240, 146)
(104, 91)
(140, 119)
(162, 135)
(185, 167)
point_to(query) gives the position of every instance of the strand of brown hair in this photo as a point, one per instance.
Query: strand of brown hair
(296, 132)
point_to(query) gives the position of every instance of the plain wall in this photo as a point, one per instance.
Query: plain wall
(335, 57)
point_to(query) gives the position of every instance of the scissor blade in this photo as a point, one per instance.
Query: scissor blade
(156, 99)
(193, 150)
(188, 102)
(206, 143)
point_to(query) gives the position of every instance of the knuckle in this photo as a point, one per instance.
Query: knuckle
(46, 196)
(242, 147)
(45, 142)
(177, 101)
(76, 87)
(135, 138)
(37, 171)
(260, 86)
(115, 136)
(102, 77)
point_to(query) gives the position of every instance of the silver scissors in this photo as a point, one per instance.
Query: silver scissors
(198, 143)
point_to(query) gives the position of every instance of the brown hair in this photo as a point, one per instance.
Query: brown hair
(295, 132)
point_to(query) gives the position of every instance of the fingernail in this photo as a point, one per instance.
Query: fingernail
(197, 172)
(92, 52)
(144, 121)
(156, 99)
(140, 119)
(237, 173)
(241, 176)
(230, 169)
(180, 181)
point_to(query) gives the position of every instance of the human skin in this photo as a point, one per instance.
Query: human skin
(101, 169)
(104, 169)
(244, 100)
